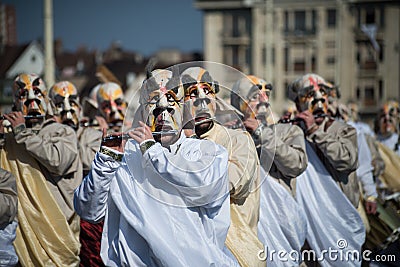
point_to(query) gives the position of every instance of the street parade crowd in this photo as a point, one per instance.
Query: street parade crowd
(197, 178)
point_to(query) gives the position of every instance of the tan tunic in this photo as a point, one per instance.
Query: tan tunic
(335, 143)
(89, 143)
(244, 180)
(47, 168)
(283, 153)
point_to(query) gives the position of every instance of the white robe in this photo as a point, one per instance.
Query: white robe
(165, 208)
(282, 226)
(333, 224)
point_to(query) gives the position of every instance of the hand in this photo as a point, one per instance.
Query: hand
(189, 132)
(102, 122)
(230, 124)
(251, 124)
(116, 144)
(370, 207)
(307, 117)
(141, 133)
(15, 118)
(286, 116)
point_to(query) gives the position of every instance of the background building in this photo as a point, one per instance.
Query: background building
(8, 27)
(354, 44)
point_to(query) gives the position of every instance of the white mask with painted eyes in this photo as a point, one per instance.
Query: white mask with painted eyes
(111, 103)
(64, 96)
(30, 95)
(162, 96)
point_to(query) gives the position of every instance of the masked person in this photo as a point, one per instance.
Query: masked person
(387, 125)
(8, 217)
(325, 191)
(387, 135)
(67, 110)
(165, 199)
(243, 168)
(281, 149)
(112, 107)
(43, 155)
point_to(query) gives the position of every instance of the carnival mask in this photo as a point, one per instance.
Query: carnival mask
(252, 98)
(200, 95)
(66, 101)
(162, 99)
(389, 118)
(111, 103)
(312, 95)
(30, 96)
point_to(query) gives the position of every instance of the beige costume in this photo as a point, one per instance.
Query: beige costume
(47, 167)
(244, 179)
(283, 153)
(335, 143)
(89, 143)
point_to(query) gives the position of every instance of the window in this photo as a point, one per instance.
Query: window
(369, 96)
(286, 59)
(330, 44)
(380, 89)
(331, 18)
(273, 55)
(313, 20)
(235, 55)
(286, 21)
(300, 20)
(330, 60)
(313, 64)
(33, 58)
(370, 16)
(299, 65)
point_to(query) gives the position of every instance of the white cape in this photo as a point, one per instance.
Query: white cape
(335, 231)
(142, 228)
(282, 226)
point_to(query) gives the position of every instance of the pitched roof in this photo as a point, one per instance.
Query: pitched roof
(8, 57)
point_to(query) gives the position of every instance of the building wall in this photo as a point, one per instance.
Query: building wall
(341, 53)
(8, 27)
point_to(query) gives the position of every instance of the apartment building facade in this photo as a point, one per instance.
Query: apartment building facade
(354, 44)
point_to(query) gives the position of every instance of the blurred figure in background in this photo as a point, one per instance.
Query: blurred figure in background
(111, 107)
(8, 217)
(67, 109)
(281, 149)
(387, 125)
(326, 191)
(43, 155)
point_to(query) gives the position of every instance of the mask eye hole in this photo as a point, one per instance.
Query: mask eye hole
(105, 105)
(119, 102)
(23, 93)
(193, 92)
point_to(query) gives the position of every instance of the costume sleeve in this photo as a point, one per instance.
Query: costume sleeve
(55, 147)
(338, 143)
(377, 161)
(283, 145)
(244, 166)
(198, 171)
(8, 198)
(364, 170)
(89, 144)
(90, 198)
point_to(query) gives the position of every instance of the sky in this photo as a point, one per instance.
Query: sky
(142, 26)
